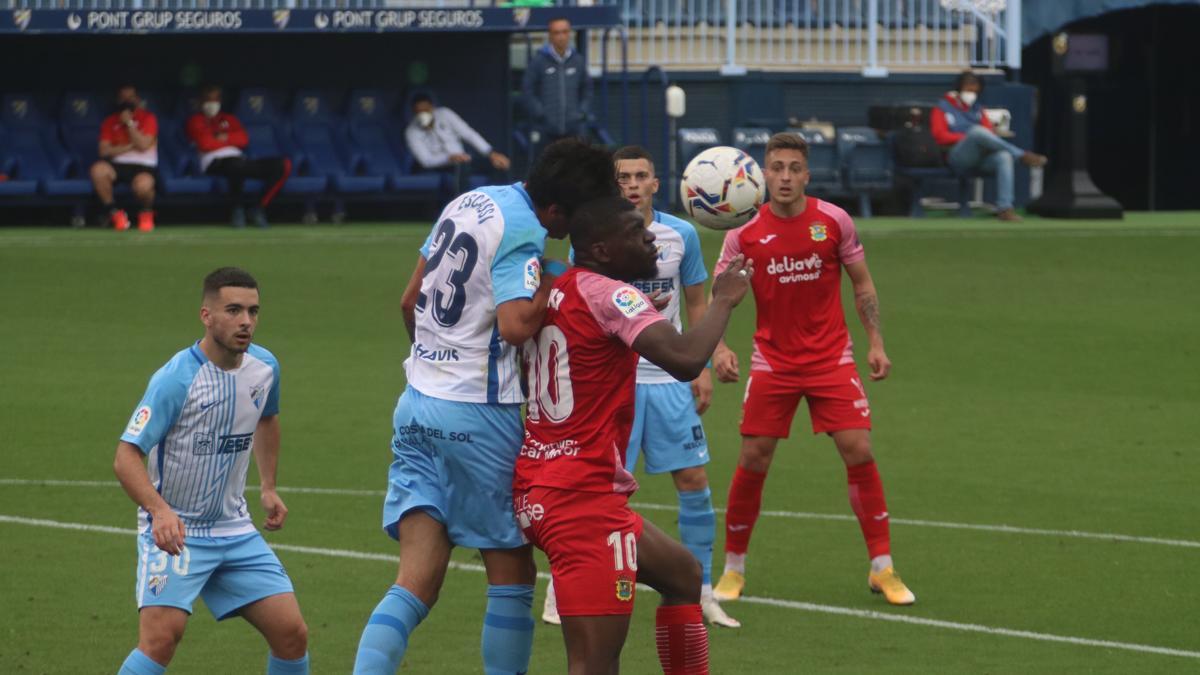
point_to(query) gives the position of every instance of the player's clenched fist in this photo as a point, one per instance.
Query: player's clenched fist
(732, 284)
(168, 531)
(725, 363)
(275, 509)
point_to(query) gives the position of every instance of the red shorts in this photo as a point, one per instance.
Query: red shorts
(591, 541)
(836, 402)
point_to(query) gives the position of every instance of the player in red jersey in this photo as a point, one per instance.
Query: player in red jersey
(571, 488)
(802, 349)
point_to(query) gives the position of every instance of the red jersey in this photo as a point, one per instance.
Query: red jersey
(582, 379)
(797, 286)
(114, 131)
(203, 131)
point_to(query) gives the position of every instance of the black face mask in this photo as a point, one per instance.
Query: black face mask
(126, 105)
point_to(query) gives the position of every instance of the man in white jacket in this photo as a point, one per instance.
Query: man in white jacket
(435, 137)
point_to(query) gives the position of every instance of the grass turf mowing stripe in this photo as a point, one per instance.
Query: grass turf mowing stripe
(798, 515)
(773, 602)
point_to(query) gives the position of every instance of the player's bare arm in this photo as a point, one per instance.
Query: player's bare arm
(866, 300)
(130, 468)
(266, 456)
(141, 141)
(684, 355)
(108, 150)
(696, 302)
(408, 301)
(518, 320)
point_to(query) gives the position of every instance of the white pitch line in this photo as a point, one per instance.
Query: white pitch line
(772, 602)
(795, 515)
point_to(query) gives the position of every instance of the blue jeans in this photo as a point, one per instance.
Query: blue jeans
(987, 153)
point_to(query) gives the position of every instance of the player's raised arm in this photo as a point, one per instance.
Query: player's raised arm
(685, 355)
(867, 302)
(725, 360)
(130, 467)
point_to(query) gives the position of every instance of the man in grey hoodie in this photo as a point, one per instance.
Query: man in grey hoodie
(556, 88)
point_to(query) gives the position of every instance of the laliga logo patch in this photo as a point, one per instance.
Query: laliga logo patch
(533, 274)
(281, 17)
(624, 589)
(629, 302)
(21, 18)
(157, 583)
(140, 418)
(818, 232)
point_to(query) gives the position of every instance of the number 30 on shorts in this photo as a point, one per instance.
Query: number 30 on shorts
(624, 556)
(179, 563)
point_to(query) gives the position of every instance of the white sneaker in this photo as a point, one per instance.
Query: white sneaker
(550, 609)
(715, 615)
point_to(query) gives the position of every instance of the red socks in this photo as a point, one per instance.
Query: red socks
(745, 501)
(866, 498)
(682, 640)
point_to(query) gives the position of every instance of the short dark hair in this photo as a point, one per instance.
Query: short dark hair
(633, 152)
(569, 173)
(556, 19)
(421, 97)
(967, 76)
(596, 220)
(786, 140)
(210, 88)
(227, 276)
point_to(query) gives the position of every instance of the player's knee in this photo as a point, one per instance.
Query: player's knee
(160, 644)
(143, 185)
(101, 172)
(292, 643)
(856, 451)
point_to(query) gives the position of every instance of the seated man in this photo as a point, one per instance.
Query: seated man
(128, 154)
(959, 125)
(435, 138)
(220, 138)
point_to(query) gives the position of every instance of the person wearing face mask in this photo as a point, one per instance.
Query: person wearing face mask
(961, 127)
(221, 141)
(128, 155)
(435, 138)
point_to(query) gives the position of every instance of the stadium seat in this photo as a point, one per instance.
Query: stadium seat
(35, 151)
(372, 129)
(867, 163)
(753, 140)
(178, 165)
(79, 120)
(13, 184)
(315, 128)
(693, 141)
(824, 167)
(258, 110)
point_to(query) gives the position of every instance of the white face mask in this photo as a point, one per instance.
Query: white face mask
(968, 97)
(425, 118)
(211, 108)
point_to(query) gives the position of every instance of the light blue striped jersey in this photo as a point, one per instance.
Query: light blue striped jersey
(196, 422)
(485, 250)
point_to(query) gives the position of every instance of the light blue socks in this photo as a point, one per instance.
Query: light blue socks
(508, 630)
(696, 527)
(385, 639)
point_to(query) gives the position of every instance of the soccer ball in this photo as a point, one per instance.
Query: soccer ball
(722, 188)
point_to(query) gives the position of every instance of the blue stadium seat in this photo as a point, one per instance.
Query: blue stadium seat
(373, 129)
(79, 120)
(178, 164)
(35, 151)
(258, 110)
(13, 184)
(867, 163)
(753, 140)
(317, 131)
(824, 166)
(693, 141)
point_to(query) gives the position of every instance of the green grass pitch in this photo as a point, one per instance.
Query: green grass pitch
(1046, 378)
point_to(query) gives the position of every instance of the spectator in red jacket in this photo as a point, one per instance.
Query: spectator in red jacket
(960, 125)
(221, 141)
(128, 154)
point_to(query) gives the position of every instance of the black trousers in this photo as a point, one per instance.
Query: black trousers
(272, 171)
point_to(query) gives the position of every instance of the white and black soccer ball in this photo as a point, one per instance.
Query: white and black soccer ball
(722, 188)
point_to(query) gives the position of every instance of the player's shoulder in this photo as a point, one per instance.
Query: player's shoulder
(179, 371)
(507, 206)
(832, 211)
(263, 354)
(683, 227)
(757, 222)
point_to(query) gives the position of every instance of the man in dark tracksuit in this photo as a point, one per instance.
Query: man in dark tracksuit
(556, 88)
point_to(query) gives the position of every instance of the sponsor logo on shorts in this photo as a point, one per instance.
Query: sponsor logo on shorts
(434, 433)
(629, 301)
(818, 232)
(140, 418)
(533, 274)
(157, 583)
(528, 514)
(698, 433)
(625, 589)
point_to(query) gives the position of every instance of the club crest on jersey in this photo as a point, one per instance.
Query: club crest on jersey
(818, 232)
(624, 589)
(533, 274)
(157, 583)
(256, 395)
(140, 418)
(629, 301)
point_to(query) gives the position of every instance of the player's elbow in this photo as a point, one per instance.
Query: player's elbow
(515, 334)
